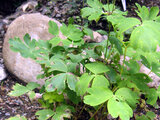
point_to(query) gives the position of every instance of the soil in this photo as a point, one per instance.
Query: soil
(60, 10)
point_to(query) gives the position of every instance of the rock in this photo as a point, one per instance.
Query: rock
(3, 74)
(29, 5)
(153, 76)
(37, 26)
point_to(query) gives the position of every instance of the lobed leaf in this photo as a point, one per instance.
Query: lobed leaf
(62, 112)
(94, 11)
(142, 12)
(19, 90)
(83, 84)
(44, 114)
(53, 28)
(71, 32)
(17, 118)
(130, 97)
(146, 37)
(117, 107)
(97, 67)
(58, 65)
(100, 81)
(56, 83)
(117, 43)
(97, 96)
(152, 96)
(71, 81)
(52, 97)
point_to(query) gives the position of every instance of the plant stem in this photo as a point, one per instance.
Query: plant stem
(113, 5)
(81, 111)
(104, 110)
(97, 111)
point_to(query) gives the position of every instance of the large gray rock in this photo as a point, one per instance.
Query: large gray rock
(37, 26)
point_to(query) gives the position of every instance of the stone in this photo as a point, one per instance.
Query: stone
(36, 25)
(153, 76)
(3, 74)
(29, 5)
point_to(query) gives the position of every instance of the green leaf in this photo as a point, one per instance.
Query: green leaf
(141, 80)
(89, 32)
(153, 13)
(146, 37)
(75, 58)
(145, 61)
(94, 4)
(44, 114)
(134, 67)
(71, 32)
(83, 84)
(97, 96)
(31, 94)
(70, 20)
(73, 96)
(158, 91)
(152, 96)
(53, 28)
(71, 81)
(66, 42)
(62, 112)
(18, 90)
(27, 39)
(117, 43)
(58, 65)
(151, 115)
(156, 68)
(72, 67)
(32, 85)
(56, 83)
(55, 41)
(112, 74)
(17, 118)
(52, 97)
(103, 32)
(100, 81)
(130, 97)
(97, 67)
(109, 7)
(26, 50)
(94, 11)
(143, 117)
(142, 12)
(123, 23)
(117, 107)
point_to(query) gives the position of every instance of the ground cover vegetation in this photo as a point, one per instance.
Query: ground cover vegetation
(90, 76)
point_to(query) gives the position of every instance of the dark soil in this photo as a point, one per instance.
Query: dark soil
(60, 10)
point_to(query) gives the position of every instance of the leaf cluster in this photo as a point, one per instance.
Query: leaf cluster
(77, 72)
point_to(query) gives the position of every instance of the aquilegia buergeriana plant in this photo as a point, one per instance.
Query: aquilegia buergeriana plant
(91, 73)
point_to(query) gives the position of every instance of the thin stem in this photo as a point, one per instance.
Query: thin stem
(108, 6)
(81, 111)
(149, 72)
(113, 5)
(97, 111)
(104, 110)
(110, 52)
